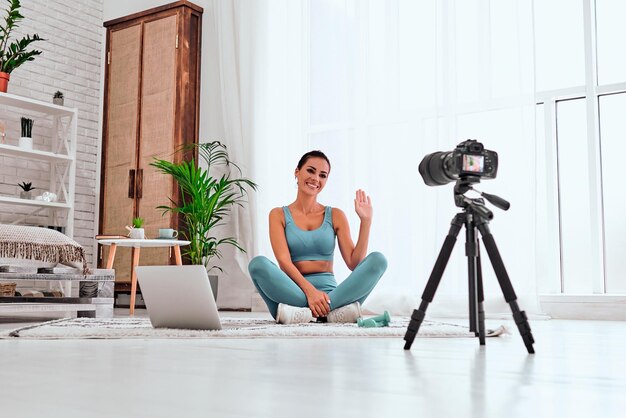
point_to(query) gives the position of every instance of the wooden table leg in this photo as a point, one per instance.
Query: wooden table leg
(179, 260)
(133, 279)
(111, 257)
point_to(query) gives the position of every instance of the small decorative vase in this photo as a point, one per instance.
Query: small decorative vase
(26, 195)
(137, 233)
(58, 101)
(26, 143)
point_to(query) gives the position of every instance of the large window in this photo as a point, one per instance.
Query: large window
(581, 98)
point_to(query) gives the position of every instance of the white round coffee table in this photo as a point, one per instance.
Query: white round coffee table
(137, 245)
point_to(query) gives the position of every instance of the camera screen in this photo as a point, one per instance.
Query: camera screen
(473, 163)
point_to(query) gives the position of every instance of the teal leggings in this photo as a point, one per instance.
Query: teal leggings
(276, 287)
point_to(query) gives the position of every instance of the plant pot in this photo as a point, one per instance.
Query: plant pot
(213, 280)
(137, 233)
(57, 101)
(26, 143)
(26, 195)
(4, 81)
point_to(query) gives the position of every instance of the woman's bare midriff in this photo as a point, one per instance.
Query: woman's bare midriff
(314, 266)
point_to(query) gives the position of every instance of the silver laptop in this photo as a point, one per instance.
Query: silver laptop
(178, 297)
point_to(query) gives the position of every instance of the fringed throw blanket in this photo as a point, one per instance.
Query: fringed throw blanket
(41, 244)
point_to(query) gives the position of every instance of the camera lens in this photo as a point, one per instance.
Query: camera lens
(424, 170)
(434, 169)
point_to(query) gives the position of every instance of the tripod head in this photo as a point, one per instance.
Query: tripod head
(463, 185)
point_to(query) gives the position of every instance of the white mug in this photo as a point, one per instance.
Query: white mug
(168, 233)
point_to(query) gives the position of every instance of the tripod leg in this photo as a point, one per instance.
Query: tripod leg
(433, 281)
(475, 283)
(481, 296)
(471, 252)
(521, 320)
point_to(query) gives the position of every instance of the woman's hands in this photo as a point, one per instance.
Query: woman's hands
(319, 302)
(363, 206)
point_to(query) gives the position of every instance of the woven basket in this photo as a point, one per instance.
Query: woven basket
(7, 289)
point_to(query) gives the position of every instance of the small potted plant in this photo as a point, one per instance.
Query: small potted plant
(57, 98)
(13, 53)
(26, 140)
(137, 232)
(27, 189)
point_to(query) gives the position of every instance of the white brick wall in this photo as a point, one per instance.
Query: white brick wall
(71, 63)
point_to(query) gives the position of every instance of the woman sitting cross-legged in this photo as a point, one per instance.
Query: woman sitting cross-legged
(302, 235)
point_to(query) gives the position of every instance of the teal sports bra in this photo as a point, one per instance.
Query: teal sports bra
(318, 244)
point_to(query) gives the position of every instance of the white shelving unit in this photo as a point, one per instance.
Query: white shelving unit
(59, 156)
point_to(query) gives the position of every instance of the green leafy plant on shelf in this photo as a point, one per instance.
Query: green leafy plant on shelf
(205, 200)
(137, 222)
(15, 53)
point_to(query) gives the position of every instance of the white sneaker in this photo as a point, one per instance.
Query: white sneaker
(346, 314)
(288, 314)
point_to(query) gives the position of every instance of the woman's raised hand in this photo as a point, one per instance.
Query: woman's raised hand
(363, 206)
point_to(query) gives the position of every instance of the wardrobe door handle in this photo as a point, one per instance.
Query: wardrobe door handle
(131, 183)
(139, 183)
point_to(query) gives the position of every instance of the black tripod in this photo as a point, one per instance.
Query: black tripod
(474, 216)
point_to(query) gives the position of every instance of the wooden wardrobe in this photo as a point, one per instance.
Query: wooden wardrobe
(152, 91)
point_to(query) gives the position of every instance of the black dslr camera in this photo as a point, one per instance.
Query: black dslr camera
(468, 159)
(467, 164)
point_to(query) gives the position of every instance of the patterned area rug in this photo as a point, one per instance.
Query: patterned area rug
(115, 328)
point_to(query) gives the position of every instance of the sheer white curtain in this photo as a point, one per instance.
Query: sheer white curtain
(261, 86)
(379, 84)
(392, 81)
(235, 28)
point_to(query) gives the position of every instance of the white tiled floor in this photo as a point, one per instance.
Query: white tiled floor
(579, 370)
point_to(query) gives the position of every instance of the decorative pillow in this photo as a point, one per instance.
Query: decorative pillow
(39, 245)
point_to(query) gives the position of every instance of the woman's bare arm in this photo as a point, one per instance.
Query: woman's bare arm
(351, 253)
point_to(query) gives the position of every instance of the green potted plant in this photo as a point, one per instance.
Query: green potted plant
(27, 189)
(205, 200)
(57, 98)
(14, 53)
(137, 231)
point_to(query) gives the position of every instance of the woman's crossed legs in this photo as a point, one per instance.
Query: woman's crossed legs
(276, 287)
